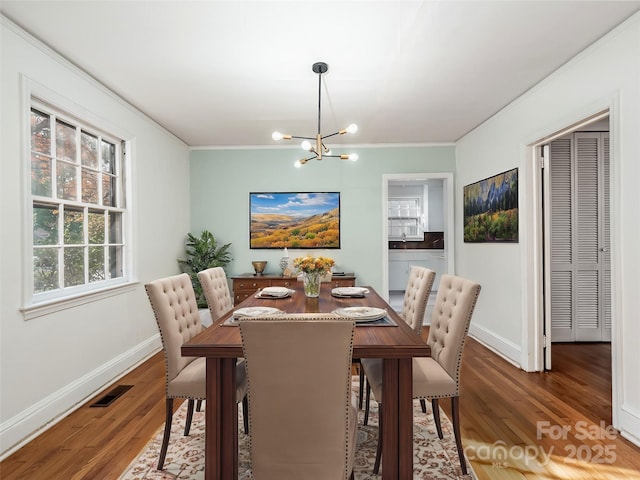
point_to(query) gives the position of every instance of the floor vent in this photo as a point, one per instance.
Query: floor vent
(109, 398)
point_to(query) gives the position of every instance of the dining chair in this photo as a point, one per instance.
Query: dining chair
(302, 417)
(437, 376)
(414, 307)
(216, 291)
(174, 305)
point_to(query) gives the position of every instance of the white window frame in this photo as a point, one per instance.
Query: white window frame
(40, 304)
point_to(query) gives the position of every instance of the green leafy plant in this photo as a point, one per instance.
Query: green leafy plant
(201, 253)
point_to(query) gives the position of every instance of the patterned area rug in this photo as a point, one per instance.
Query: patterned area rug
(433, 459)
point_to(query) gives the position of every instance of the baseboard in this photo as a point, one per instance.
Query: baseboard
(31, 422)
(497, 344)
(630, 425)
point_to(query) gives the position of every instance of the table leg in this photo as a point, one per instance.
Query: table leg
(221, 420)
(397, 408)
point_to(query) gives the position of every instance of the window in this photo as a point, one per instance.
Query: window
(404, 217)
(78, 206)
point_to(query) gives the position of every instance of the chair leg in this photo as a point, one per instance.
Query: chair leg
(435, 408)
(376, 465)
(456, 431)
(199, 405)
(423, 405)
(187, 423)
(245, 414)
(360, 395)
(167, 433)
(366, 405)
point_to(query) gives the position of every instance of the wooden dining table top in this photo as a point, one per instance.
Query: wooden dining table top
(370, 340)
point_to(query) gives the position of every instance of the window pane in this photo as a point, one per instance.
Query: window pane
(115, 262)
(67, 182)
(108, 189)
(45, 269)
(65, 142)
(73, 266)
(45, 225)
(96, 264)
(89, 150)
(96, 227)
(40, 132)
(73, 227)
(41, 175)
(89, 186)
(108, 157)
(115, 227)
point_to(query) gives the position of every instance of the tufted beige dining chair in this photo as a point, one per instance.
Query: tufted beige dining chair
(414, 307)
(416, 296)
(437, 376)
(216, 291)
(174, 304)
(297, 364)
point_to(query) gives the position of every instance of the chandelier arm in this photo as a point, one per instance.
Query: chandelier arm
(331, 135)
(304, 138)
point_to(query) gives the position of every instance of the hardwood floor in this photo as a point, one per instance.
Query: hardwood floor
(499, 403)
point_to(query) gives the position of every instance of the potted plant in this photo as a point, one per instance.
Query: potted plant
(201, 253)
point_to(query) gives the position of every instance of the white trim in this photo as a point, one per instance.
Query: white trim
(341, 145)
(63, 303)
(31, 422)
(502, 347)
(631, 419)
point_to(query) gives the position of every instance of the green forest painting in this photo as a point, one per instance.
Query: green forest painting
(491, 209)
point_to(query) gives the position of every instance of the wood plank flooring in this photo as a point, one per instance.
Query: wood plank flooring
(499, 403)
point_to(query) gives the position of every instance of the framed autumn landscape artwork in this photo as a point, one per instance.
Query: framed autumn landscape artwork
(294, 220)
(491, 209)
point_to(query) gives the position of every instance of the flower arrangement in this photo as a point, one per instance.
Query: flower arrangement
(321, 265)
(313, 269)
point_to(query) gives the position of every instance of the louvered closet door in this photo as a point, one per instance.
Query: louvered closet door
(580, 266)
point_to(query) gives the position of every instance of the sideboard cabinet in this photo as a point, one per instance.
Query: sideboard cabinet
(247, 284)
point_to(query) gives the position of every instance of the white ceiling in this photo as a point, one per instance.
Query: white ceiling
(219, 73)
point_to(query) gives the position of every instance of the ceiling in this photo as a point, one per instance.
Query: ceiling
(228, 73)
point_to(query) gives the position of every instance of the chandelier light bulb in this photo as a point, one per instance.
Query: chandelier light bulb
(306, 145)
(298, 164)
(353, 157)
(353, 128)
(277, 136)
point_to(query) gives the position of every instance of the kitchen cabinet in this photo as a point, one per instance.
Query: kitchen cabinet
(400, 262)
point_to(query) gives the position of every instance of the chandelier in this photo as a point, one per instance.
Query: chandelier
(318, 148)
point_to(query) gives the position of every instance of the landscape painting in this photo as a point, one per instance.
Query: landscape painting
(491, 209)
(294, 220)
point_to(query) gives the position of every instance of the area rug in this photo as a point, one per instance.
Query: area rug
(433, 459)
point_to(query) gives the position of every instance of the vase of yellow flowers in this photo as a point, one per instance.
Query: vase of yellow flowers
(312, 270)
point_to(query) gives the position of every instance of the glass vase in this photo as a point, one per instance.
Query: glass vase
(312, 284)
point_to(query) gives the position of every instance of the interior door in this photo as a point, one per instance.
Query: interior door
(580, 278)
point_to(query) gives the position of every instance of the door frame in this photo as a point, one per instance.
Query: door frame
(447, 193)
(535, 351)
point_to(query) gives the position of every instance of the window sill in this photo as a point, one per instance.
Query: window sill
(57, 305)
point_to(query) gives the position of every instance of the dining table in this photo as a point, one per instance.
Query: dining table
(391, 339)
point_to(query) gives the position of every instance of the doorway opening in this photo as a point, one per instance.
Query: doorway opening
(575, 221)
(417, 228)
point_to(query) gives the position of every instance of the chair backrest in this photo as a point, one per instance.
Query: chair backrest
(452, 313)
(299, 390)
(216, 291)
(176, 310)
(416, 296)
